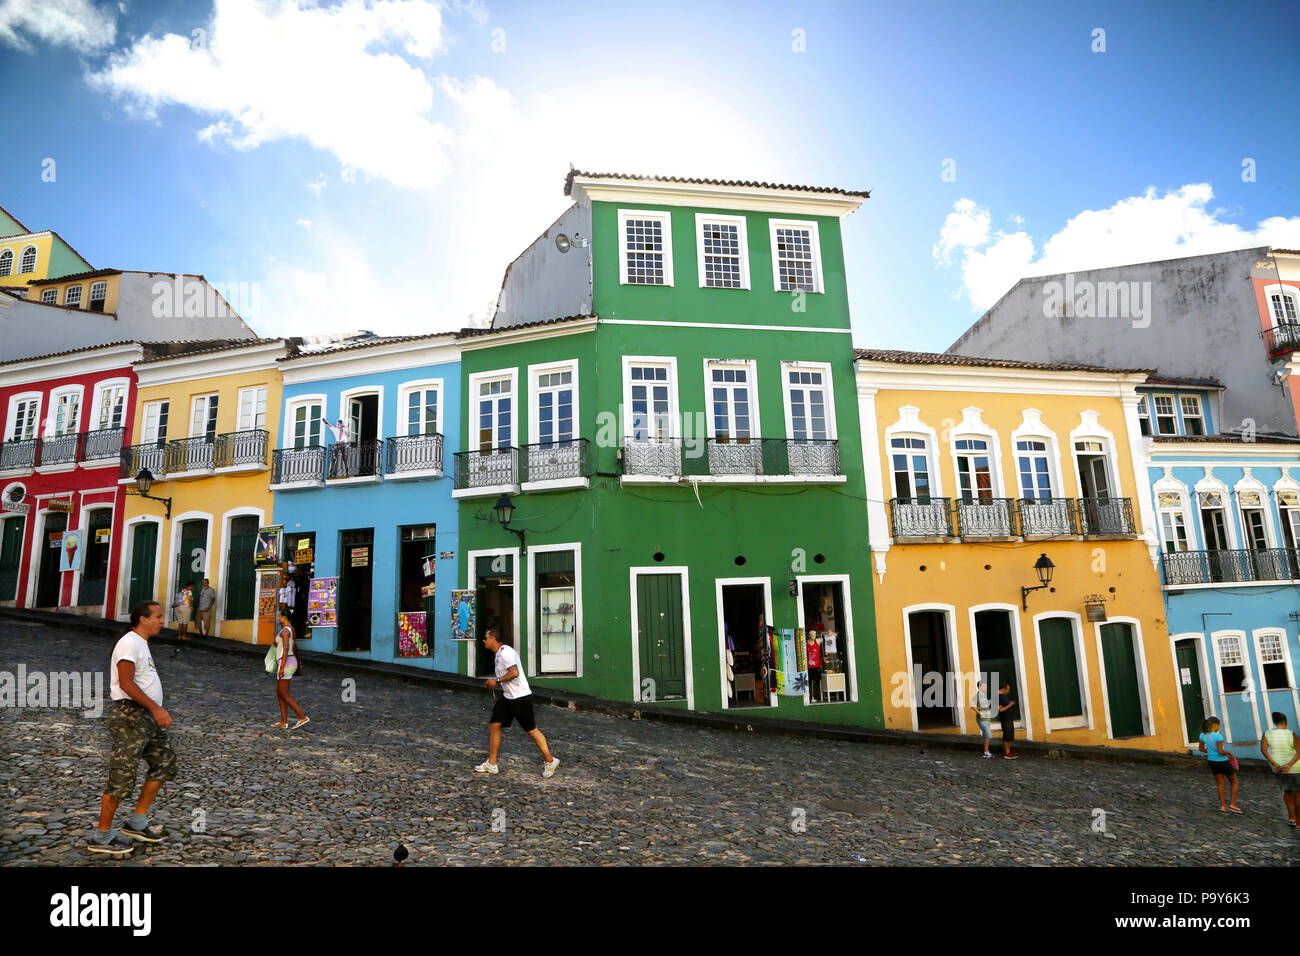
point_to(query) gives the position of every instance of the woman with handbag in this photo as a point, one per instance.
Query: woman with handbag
(282, 661)
(1223, 764)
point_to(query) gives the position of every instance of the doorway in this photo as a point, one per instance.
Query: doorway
(744, 629)
(1101, 513)
(1123, 695)
(929, 644)
(11, 556)
(826, 636)
(996, 652)
(415, 587)
(1188, 662)
(1061, 673)
(661, 637)
(494, 585)
(94, 558)
(241, 579)
(356, 564)
(49, 582)
(144, 555)
(192, 558)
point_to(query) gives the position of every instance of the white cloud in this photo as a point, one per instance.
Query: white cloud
(72, 23)
(305, 223)
(1145, 228)
(321, 182)
(331, 76)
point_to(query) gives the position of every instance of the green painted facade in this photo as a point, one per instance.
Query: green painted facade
(64, 261)
(793, 527)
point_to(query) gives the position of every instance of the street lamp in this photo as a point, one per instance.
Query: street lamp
(505, 509)
(143, 482)
(1043, 567)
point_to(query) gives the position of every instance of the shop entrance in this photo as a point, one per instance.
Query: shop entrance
(744, 627)
(94, 558)
(825, 628)
(144, 554)
(356, 566)
(997, 655)
(11, 556)
(49, 581)
(415, 588)
(929, 636)
(302, 560)
(192, 558)
(1189, 682)
(494, 584)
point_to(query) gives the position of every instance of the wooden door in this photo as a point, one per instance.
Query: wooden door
(1122, 693)
(144, 551)
(1060, 667)
(661, 635)
(1189, 685)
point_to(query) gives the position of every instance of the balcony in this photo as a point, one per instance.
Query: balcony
(491, 471)
(103, 445)
(237, 452)
(355, 462)
(413, 456)
(987, 517)
(733, 460)
(59, 450)
(1105, 516)
(189, 457)
(556, 465)
(1282, 339)
(136, 457)
(1046, 519)
(19, 455)
(921, 518)
(1010, 518)
(297, 468)
(1229, 567)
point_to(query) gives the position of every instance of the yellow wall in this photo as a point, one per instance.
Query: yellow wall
(970, 575)
(17, 244)
(110, 302)
(211, 497)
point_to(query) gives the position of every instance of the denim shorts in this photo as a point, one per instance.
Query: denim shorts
(986, 731)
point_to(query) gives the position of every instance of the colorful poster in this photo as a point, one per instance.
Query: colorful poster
(463, 605)
(412, 634)
(427, 567)
(427, 592)
(323, 602)
(267, 552)
(102, 535)
(791, 681)
(360, 557)
(70, 551)
(268, 594)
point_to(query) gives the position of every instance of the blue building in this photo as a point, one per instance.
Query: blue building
(1229, 515)
(363, 490)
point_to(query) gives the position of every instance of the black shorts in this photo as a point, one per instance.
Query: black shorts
(1008, 730)
(1223, 767)
(505, 710)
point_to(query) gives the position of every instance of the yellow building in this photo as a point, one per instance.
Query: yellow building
(27, 255)
(977, 469)
(203, 426)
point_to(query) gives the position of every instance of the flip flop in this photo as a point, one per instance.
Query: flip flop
(280, 726)
(305, 720)
(1236, 810)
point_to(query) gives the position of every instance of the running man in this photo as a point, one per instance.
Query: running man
(516, 703)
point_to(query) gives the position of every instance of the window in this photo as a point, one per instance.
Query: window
(111, 401)
(1035, 474)
(723, 252)
(63, 419)
(50, 296)
(556, 600)
(974, 470)
(911, 462)
(1232, 663)
(28, 261)
(1214, 525)
(98, 293)
(306, 421)
(203, 417)
(252, 409)
(1173, 529)
(422, 411)
(796, 256)
(1281, 302)
(72, 295)
(495, 414)
(1252, 520)
(1272, 659)
(1144, 416)
(650, 393)
(155, 422)
(730, 403)
(808, 403)
(1193, 419)
(1166, 419)
(554, 391)
(23, 415)
(1289, 504)
(646, 255)
(7, 262)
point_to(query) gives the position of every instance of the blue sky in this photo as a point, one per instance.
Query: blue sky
(377, 163)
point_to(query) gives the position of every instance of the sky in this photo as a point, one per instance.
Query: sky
(376, 164)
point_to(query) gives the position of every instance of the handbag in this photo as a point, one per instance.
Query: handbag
(1232, 762)
(270, 659)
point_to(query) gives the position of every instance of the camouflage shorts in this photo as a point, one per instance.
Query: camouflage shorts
(136, 736)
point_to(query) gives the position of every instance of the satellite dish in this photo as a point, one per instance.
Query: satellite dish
(562, 242)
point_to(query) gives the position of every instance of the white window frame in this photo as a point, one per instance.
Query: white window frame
(477, 379)
(535, 639)
(718, 585)
(1156, 416)
(535, 372)
(972, 427)
(52, 414)
(240, 426)
(1199, 416)
(97, 405)
(207, 413)
(1144, 414)
(345, 409)
(832, 434)
(1291, 292)
(50, 296)
(36, 257)
(674, 420)
(67, 296)
(1253, 486)
(11, 421)
(101, 286)
(847, 634)
(1031, 428)
(1214, 486)
(1181, 511)
(819, 285)
(909, 425)
(404, 391)
(11, 260)
(740, 222)
(665, 218)
(144, 420)
(291, 412)
(750, 367)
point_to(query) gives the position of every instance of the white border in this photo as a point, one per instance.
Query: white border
(949, 613)
(471, 578)
(742, 234)
(1084, 720)
(846, 631)
(719, 584)
(1026, 721)
(1144, 687)
(534, 652)
(819, 285)
(685, 574)
(674, 418)
(1207, 694)
(663, 216)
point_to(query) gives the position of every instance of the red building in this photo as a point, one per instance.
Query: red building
(67, 417)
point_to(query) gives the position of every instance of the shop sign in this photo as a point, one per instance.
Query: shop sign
(447, 556)
(304, 544)
(268, 594)
(322, 602)
(56, 539)
(70, 556)
(360, 557)
(102, 535)
(59, 504)
(412, 634)
(304, 556)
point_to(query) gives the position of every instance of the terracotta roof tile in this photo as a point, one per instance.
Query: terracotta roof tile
(473, 333)
(749, 184)
(942, 358)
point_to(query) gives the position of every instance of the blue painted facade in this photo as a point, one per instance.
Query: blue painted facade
(1229, 519)
(387, 502)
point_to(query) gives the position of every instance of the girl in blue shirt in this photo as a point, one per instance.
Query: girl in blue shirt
(1212, 745)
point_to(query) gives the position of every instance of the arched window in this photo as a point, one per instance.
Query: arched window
(28, 261)
(7, 262)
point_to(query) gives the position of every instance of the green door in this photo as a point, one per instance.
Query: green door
(1189, 683)
(144, 552)
(241, 579)
(192, 559)
(1060, 667)
(1122, 694)
(11, 557)
(661, 636)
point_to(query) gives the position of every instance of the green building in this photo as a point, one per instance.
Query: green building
(667, 399)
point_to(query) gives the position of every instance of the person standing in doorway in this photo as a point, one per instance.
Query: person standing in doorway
(207, 609)
(516, 703)
(1281, 747)
(983, 708)
(137, 728)
(1220, 761)
(184, 610)
(286, 665)
(1005, 703)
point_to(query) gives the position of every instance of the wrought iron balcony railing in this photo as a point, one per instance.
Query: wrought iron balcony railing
(483, 469)
(135, 457)
(1046, 519)
(189, 454)
(356, 459)
(104, 444)
(921, 518)
(298, 466)
(1282, 339)
(60, 449)
(1105, 516)
(241, 448)
(657, 457)
(556, 460)
(408, 453)
(720, 457)
(986, 517)
(15, 455)
(1230, 567)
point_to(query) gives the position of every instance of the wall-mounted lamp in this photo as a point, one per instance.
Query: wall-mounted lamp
(505, 509)
(564, 243)
(1043, 567)
(143, 482)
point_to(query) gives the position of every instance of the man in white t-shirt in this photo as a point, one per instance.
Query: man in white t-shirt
(515, 703)
(137, 727)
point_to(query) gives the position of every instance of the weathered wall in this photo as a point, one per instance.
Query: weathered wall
(544, 283)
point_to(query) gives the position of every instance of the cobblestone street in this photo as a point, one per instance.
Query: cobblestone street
(396, 767)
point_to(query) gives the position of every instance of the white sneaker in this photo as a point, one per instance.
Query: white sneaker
(486, 767)
(987, 754)
(548, 769)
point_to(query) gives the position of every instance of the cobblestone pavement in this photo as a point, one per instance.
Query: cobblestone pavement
(396, 766)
